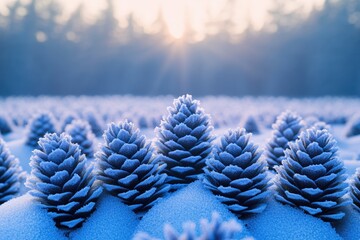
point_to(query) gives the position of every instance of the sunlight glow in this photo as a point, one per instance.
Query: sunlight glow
(41, 37)
(174, 16)
(186, 19)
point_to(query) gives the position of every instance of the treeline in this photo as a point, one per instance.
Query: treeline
(318, 56)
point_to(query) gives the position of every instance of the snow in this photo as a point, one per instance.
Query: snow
(280, 221)
(22, 151)
(192, 203)
(351, 166)
(348, 227)
(17, 133)
(24, 218)
(112, 219)
(348, 146)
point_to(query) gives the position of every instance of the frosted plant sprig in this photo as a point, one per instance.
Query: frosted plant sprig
(216, 229)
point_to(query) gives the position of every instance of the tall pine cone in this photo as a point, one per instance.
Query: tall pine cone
(355, 189)
(312, 176)
(184, 141)
(61, 182)
(286, 129)
(128, 170)
(39, 126)
(10, 174)
(236, 175)
(80, 133)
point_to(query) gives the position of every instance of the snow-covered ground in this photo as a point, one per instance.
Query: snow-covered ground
(24, 218)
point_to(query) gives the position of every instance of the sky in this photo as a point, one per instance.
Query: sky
(159, 47)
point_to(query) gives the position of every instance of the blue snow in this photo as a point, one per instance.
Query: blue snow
(112, 219)
(349, 227)
(24, 218)
(280, 221)
(192, 203)
(21, 151)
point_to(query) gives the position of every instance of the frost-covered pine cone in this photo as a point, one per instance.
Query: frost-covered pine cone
(353, 126)
(39, 126)
(95, 123)
(5, 124)
(235, 174)
(321, 126)
(67, 120)
(128, 169)
(251, 125)
(216, 229)
(10, 174)
(184, 141)
(81, 134)
(355, 189)
(286, 129)
(311, 176)
(62, 182)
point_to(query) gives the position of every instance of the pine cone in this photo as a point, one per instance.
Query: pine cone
(286, 129)
(67, 120)
(236, 175)
(184, 141)
(10, 174)
(128, 170)
(61, 181)
(321, 126)
(39, 126)
(353, 127)
(5, 124)
(251, 125)
(355, 189)
(80, 133)
(95, 123)
(311, 176)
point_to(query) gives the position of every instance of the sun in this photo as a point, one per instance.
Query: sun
(173, 12)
